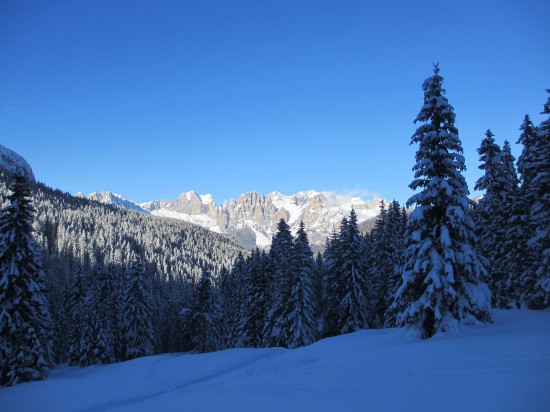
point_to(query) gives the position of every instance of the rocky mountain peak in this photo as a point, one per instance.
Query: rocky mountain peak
(252, 218)
(14, 163)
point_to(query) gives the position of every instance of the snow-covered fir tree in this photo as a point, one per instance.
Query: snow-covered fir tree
(303, 300)
(330, 284)
(492, 183)
(137, 313)
(521, 227)
(537, 277)
(351, 272)
(73, 301)
(492, 215)
(255, 300)
(227, 309)
(277, 329)
(318, 291)
(233, 303)
(386, 253)
(25, 322)
(380, 267)
(97, 340)
(203, 316)
(442, 270)
(506, 288)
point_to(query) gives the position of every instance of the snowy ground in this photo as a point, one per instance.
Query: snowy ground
(500, 367)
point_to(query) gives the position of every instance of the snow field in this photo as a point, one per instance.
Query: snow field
(500, 367)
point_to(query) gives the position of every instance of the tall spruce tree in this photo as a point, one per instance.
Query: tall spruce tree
(24, 318)
(521, 226)
(302, 303)
(353, 309)
(97, 340)
(513, 255)
(379, 268)
(277, 329)
(509, 163)
(442, 271)
(203, 316)
(492, 215)
(489, 221)
(233, 303)
(75, 296)
(254, 309)
(330, 284)
(537, 279)
(137, 313)
(395, 227)
(318, 291)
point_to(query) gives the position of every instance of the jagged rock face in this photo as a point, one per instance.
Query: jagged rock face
(252, 218)
(15, 164)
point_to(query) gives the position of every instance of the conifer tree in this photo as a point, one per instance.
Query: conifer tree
(318, 291)
(492, 215)
(513, 255)
(25, 324)
(233, 303)
(492, 183)
(227, 309)
(256, 287)
(74, 299)
(97, 340)
(441, 277)
(302, 303)
(277, 329)
(509, 162)
(380, 268)
(331, 283)
(395, 227)
(137, 312)
(521, 227)
(537, 278)
(353, 310)
(203, 316)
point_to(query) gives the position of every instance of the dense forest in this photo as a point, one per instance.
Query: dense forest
(86, 283)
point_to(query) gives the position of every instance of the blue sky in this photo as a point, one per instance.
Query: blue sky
(153, 98)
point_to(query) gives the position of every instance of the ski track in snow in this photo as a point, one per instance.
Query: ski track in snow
(169, 388)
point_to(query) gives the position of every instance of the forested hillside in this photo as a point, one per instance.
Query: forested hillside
(92, 242)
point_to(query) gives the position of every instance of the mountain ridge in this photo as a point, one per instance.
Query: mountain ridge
(251, 219)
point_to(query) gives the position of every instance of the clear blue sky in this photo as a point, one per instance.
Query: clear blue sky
(153, 98)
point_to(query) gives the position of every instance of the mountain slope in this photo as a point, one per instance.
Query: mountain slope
(72, 230)
(110, 198)
(500, 367)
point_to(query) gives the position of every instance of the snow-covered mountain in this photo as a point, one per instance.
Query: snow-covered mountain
(113, 199)
(252, 218)
(14, 163)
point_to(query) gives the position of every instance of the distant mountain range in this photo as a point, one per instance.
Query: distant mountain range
(252, 218)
